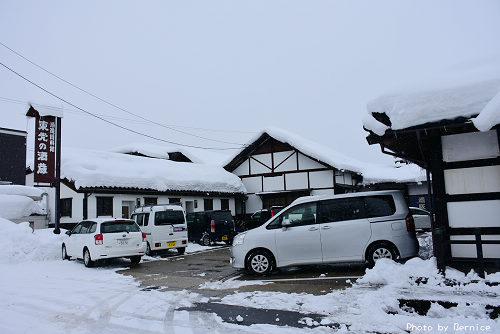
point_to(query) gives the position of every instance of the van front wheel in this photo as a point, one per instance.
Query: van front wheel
(260, 262)
(380, 251)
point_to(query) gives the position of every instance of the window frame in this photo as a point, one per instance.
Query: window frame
(100, 210)
(66, 208)
(273, 225)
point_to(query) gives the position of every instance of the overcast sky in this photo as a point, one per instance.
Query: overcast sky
(227, 69)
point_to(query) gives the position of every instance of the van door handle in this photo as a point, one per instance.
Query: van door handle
(326, 227)
(313, 229)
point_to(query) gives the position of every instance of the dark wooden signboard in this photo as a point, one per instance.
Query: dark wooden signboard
(45, 149)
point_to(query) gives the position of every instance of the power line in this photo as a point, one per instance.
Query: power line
(110, 103)
(112, 123)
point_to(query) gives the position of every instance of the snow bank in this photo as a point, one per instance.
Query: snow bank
(17, 206)
(20, 244)
(476, 94)
(21, 190)
(89, 168)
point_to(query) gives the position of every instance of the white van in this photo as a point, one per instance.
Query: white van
(165, 227)
(357, 227)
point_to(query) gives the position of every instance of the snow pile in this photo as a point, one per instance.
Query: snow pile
(89, 168)
(21, 244)
(230, 284)
(17, 206)
(474, 94)
(372, 173)
(32, 192)
(426, 248)
(372, 304)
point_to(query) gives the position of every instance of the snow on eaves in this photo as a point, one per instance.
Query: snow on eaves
(372, 173)
(466, 98)
(13, 189)
(89, 168)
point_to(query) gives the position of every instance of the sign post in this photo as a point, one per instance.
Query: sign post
(47, 169)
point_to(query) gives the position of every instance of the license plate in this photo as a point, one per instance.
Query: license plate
(171, 243)
(122, 242)
(224, 237)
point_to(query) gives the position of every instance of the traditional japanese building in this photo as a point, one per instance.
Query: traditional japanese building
(12, 156)
(454, 133)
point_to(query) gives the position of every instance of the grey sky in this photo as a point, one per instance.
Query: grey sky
(308, 67)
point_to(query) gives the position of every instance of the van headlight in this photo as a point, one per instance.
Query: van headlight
(239, 239)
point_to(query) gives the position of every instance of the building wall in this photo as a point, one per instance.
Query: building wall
(13, 156)
(270, 173)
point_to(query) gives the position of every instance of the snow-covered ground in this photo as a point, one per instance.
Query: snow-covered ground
(39, 293)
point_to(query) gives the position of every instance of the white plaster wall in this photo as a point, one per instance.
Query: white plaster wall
(258, 168)
(296, 181)
(274, 183)
(323, 179)
(417, 189)
(472, 180)
(321, 192)
(306, 163)
(474, 213)
(470, 146)
(253, 184)
(289, 165)
(242, 169)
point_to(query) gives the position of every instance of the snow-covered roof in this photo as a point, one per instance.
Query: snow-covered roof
(12, 189)
(372, 173)
(45, 110)
(162, 152)
(475, 97)
(90, 169)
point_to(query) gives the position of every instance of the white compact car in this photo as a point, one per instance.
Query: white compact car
(104, 238)
(165, 227)
(357, 227)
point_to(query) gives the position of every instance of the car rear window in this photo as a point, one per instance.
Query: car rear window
(169, 217)
(379, 206)
(222, 216)
(119, 226)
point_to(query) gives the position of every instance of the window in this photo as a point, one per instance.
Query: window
(86, 226)
(169, 217)
(104, 206)
(141, 219)
(379, 206)
(208, 204)
(174, 200)
(65, 207)
(77, 229)
(224, 204)
(150, 200)
(342, 209)
(93, 228)
(304, 214)
(122, 226)
(195, 204)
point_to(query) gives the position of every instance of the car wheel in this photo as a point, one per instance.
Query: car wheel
(64, 254)
(148, 250)
(205, 240)
(260, 263)
(86, 258)
(380, 251)
(135, 259)
(181, 250)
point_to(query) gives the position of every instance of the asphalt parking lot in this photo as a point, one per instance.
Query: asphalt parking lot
(209, 273)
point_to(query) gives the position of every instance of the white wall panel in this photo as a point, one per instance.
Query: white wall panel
(253, 184)
(289, 165)
(491, 251)
(306, 163)
(258, 168)
(323, 179)
(346, 179)
(242, 169)
(296, 181)
(472, 180)
(470, 146)
(274, 183)
(464, 250)
(474, 213)
(417, 189)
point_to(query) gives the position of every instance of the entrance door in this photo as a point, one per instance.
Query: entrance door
(127, 209)
(189, 206)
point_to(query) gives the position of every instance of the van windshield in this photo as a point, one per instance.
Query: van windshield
(169, 217)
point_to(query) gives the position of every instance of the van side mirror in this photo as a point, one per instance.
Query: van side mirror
(68, 232)
(285, 222)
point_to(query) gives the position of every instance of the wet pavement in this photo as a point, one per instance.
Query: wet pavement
(193, 271)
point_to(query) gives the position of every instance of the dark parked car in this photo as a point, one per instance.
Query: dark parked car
(262, 216)
(207, 227)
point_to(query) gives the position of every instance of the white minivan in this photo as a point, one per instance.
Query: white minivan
(165, 226)
(356, 227)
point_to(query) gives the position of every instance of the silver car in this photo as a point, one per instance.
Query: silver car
(357, 227)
